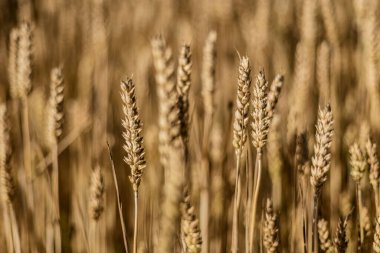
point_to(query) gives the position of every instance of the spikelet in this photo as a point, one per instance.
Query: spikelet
(24, 60)
(7, 186)
(242, 106)
(373, 161)
(273, 95)
(322, 154)
(358, 162)
(190, 231)
(96, 204)
(183, 87)
(341, 240)
(302, 153)
(208, 74)
(271, 232)
(12, 63)
(324, 237)
(169, 123)
(133, 146)
(260, 123)
(55, 107)
(376, 236)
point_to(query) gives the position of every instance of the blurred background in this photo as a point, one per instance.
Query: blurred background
(328, 52)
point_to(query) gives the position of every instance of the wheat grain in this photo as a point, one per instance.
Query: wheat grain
(271, 230)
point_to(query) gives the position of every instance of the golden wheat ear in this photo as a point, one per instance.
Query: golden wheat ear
(271, 229)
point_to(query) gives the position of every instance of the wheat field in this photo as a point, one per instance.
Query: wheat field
(189, 126)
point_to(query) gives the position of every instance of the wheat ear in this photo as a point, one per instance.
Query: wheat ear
(7, 185)
(320, 162)
(183, 88)
(96, 205)
(374, 174)
(12, 62)
(135, 154)
(271, 230)
(376, 236)
(240, 126)
(190, 231)
(358, 164)
(341, 240)
(259, 125)
(54, 133)
(324, 236)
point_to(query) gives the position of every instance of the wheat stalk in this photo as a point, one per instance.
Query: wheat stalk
(259, 125)
(341, 240)
(135, 154)
(358, 164)
(240, 136)
(7, 184)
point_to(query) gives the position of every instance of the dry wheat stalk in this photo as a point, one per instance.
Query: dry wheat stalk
(271, 230)
(133, 146)
(7, 185)
(12, 62)
(320, 162)
(374, 173)
(54, 131)
(324, 236)
(208, 75)
(358, 164)
(376, 236)
(183, 88)
(260, 126)
(240, 136)
(190, 231)
(341, 240)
